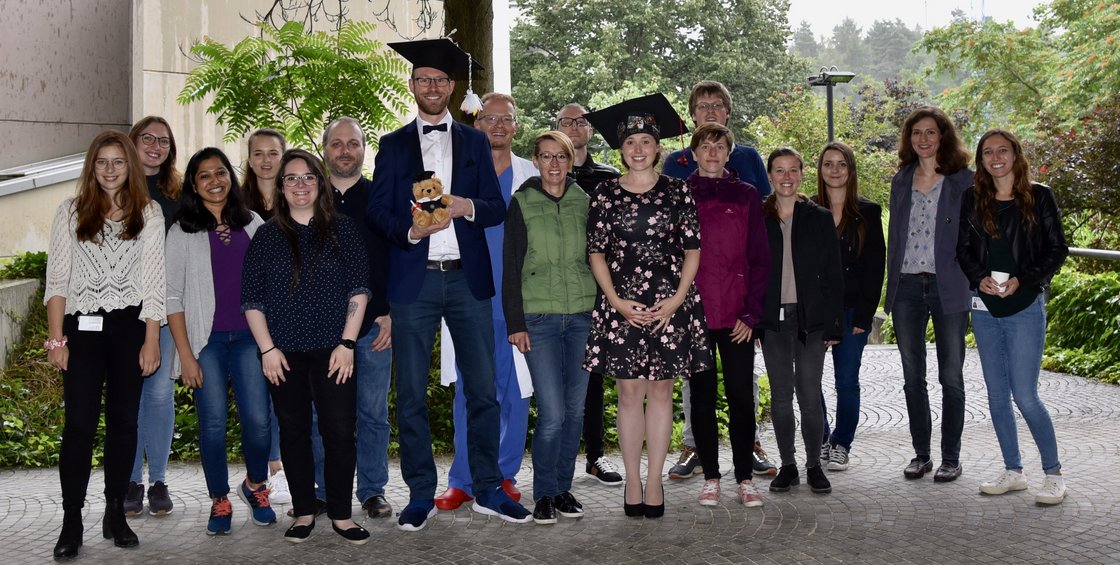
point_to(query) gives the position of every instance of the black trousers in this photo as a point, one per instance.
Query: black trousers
(738, 386)
(593, 418)
(335, 404)
(109, 360)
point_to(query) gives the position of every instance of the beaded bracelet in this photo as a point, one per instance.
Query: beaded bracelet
(54, 343)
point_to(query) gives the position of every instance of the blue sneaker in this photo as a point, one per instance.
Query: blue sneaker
(221, 516)
(498, 503)
(257, 499)
(415, 516)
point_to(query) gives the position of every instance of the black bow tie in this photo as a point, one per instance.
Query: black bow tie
(430, 129)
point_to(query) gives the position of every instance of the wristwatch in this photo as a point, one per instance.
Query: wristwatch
(348, 343)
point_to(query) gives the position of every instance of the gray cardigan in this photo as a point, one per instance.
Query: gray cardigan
(952, 286)
(190, 284)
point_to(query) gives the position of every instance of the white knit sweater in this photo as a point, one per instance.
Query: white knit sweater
(109, 275)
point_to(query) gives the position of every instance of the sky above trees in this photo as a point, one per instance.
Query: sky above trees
(823, 15)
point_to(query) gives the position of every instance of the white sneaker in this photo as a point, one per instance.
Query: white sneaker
(1005, 482)
(1053, 490)
(278, 488)
(837, 458)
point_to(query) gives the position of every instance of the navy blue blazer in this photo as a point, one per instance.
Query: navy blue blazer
(396, 165)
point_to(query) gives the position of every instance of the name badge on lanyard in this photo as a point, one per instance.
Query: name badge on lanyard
(90, 323)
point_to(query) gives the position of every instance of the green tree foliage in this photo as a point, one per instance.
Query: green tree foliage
(1065, 67)
(805, 43)
(297, 82)
(570, 51)
(869, 122)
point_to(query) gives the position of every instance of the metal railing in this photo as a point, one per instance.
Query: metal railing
(1095, 253)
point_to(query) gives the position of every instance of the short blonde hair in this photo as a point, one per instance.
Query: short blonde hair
(558, 137)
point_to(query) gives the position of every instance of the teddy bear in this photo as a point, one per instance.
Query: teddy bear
(431, 205)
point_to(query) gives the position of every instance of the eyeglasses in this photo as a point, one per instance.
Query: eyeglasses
(492, 119)
(149, 139)
(560, 157)
(569, 122)
(293, 180)
(427, 81)
(114, 164)
(713, 107)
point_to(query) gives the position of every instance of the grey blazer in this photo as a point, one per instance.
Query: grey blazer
(190, 284)
(952, 286)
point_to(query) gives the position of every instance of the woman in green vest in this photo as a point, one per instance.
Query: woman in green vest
(548, 293)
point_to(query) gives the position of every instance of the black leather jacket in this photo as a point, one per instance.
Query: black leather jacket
(1039, 250)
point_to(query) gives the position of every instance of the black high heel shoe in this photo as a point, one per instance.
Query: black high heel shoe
(656, 511)
(70, 539)
(632, 510)
(116, 527)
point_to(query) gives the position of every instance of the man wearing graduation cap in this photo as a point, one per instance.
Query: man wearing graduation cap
(436, 272)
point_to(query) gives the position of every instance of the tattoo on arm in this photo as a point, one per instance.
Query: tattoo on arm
(351, 309)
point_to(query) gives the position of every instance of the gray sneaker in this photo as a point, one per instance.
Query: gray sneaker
(838, 458)
(134, 500)
(687, 466)
(825, 449)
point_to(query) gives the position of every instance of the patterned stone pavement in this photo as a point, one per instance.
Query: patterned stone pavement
(873, 515)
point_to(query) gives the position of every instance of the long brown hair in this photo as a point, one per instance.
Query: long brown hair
(770, 205)
(92, 204)
(951, 154)
(252, 186)
(169, 181)
(985, 185)
(322, 220)
(850, 212)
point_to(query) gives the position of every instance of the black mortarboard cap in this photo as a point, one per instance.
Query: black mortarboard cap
(652, 114)
(442, 54)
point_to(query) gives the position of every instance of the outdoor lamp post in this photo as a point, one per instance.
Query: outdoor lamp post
(828, 77)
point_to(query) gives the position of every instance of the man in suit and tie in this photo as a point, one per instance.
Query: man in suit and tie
(436, 272)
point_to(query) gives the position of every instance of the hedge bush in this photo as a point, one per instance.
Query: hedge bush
(1083, 334)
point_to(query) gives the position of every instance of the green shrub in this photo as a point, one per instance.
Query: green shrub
(30, 265)
(1083, 335)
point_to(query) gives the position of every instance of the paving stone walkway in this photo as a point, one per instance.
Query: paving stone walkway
(873, 515)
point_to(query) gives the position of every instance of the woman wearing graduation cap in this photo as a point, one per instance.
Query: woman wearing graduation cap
(648, 327)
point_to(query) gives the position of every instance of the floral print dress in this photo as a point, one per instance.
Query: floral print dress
(644, 237)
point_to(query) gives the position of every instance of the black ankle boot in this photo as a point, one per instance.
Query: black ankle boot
(70, 539)
(115, 526)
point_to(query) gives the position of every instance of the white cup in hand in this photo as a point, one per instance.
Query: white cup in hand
(1001, 278)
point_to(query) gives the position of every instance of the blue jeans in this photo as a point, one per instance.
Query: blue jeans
(445, 294)
(847, 357)
(916, 302)
(555, 359)
(513, 419)
(1011, 355)
(374, 370)
(155, 423)
(230, 359)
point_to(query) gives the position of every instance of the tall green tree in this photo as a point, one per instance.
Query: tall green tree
(571, 50)
(805, 43)
(296, 81)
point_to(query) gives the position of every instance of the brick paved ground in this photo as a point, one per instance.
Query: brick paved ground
(873, 515)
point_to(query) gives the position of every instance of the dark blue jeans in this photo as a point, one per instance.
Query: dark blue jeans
(847, 357)
(555, 358)
(445, 295)
(916, 302)
(230, 359)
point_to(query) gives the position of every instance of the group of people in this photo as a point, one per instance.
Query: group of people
(300, 287)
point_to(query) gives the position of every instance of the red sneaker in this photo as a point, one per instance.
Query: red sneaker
(511, 490)
(452, 498)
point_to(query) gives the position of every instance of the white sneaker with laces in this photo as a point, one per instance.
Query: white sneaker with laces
(278, 488)
(1006, 481)
(749, 495)
(838, 458)
(1053, 491)
(709, 493)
